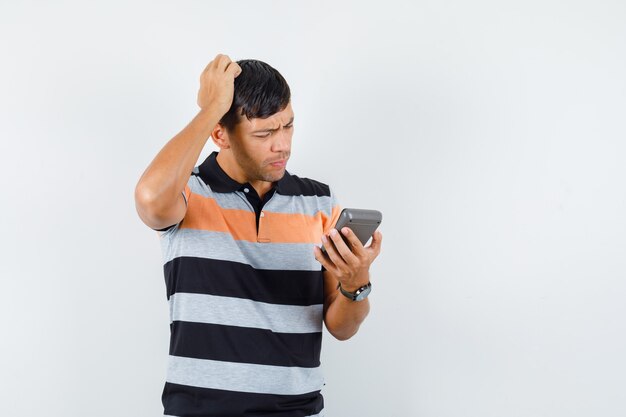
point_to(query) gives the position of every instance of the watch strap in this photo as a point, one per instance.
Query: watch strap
(353, 295)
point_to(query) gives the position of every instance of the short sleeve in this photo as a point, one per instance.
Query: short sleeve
(334, 209)
(186, 194)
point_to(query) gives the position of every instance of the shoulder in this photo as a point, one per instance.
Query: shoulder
(293, 184)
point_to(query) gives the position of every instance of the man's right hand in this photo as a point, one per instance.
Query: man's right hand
(217, 84)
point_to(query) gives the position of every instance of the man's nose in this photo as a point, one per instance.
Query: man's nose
(282, 141)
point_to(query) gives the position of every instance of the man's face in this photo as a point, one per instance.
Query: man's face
(262, 147)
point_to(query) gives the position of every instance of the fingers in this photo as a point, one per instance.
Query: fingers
(213, 63)
(209, 65)
(342, 258)
(333, 259)
(339, 252)
(323, 259)
(377, 239)
(234, 68)
(216, 84)
(223, 63)
(354, 242)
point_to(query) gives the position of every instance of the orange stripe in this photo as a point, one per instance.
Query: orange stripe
(206, 214)
(241, 224)
(329, 224)
(291, 228)
(296, 228)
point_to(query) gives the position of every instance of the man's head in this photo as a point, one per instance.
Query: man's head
(258, 127)
(260, 91)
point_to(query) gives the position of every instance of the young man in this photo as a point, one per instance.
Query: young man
(247, 284)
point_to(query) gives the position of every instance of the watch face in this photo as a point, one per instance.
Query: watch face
(363, 294)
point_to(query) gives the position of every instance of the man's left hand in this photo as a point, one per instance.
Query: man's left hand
(348, 263)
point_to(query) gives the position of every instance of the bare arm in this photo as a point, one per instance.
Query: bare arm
(341, 315)
(348, 264)
(158, 193)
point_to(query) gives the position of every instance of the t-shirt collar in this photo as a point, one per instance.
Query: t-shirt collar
(219, 181)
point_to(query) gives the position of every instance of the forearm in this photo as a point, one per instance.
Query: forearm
(344, 316)
(168, 173)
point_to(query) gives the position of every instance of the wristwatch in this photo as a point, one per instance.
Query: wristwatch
(359, 295)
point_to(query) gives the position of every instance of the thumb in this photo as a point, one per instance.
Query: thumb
(377, 238)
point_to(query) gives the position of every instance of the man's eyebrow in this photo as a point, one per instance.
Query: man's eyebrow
(273, 130)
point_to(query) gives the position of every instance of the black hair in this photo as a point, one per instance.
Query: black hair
(260, 91)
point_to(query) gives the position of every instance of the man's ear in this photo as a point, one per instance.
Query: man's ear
(220, 136)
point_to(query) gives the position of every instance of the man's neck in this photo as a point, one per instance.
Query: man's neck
(227, 162)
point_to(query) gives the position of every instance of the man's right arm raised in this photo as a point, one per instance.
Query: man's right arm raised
(158, 193)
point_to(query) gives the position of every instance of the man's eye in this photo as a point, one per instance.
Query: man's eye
(269, 133)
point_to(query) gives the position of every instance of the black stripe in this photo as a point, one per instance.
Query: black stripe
(186, 401)
(244, 344)
(233, 279)
(294, 185)
(165, 228)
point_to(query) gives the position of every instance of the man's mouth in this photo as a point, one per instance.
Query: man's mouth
(279, 163)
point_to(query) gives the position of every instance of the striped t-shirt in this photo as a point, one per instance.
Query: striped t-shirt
(246, 298)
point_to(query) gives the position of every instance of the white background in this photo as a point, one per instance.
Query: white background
(491, 134)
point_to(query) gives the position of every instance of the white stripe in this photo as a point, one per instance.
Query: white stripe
(244, 377)
(230, 311)
(299, 204)
(221, 246)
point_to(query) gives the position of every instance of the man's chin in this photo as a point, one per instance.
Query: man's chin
(276, 175)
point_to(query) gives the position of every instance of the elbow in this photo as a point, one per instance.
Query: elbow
(344, 334)
(147, 202)
(144, 197)
(343, 338)
(144, 202)
(149, 208)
